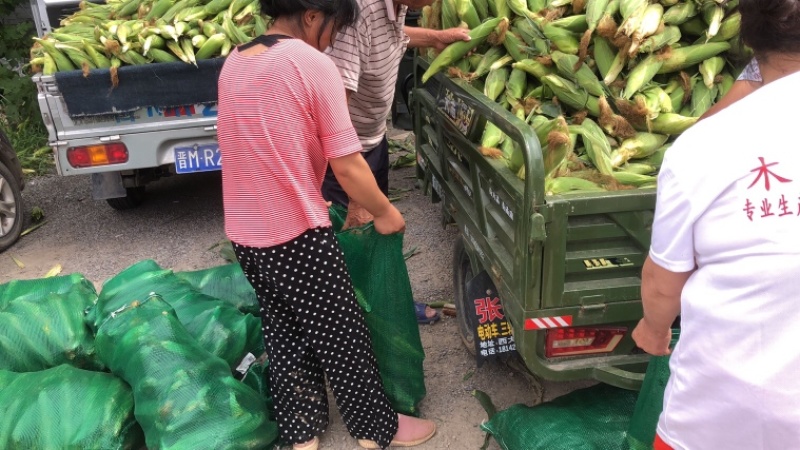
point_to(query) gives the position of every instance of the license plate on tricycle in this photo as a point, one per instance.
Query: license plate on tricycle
(197, 158)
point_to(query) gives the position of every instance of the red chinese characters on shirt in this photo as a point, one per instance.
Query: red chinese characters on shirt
(488, 309)
(767, 205)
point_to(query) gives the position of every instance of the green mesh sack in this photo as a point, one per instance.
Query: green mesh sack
(642, 430)
(42, 323)
(227, 283)
(66, 408)
(377, 268)
(257, 378)
(185, 397)
(594, 418)
(218, 327)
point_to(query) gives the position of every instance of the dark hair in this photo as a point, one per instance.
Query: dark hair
(344, 13)
(770, 25)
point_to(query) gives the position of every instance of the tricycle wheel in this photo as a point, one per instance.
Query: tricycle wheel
(462, 273)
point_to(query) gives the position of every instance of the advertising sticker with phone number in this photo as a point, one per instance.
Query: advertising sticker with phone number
(493, 334)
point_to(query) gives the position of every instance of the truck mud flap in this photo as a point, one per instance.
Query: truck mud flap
(106, 185)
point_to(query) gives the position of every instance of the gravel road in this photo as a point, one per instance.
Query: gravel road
(182, 220)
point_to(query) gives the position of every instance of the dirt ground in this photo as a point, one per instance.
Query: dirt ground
(182, 221)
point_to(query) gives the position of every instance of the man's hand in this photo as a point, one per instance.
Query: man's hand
(443, 38)
(654, 342)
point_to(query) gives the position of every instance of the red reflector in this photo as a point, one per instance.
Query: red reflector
(582, 341)
(97, 155)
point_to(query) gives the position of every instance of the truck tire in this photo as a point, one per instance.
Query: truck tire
(134, 198)
(10, 208)
(462, 272)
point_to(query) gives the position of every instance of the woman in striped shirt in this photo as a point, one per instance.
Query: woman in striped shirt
(282, 119)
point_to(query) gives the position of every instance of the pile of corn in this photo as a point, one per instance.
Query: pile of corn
(606, 84)
(143, 31)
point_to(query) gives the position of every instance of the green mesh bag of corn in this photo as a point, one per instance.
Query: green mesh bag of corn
(227, 283)
(642, 430)
(593, 418)
(217, 325)
(378, 270)
(67, 408)
(42, 323)
(185, 397)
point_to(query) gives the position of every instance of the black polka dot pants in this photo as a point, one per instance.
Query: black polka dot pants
(313, 328)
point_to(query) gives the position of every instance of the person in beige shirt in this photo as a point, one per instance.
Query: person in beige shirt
(368, 56)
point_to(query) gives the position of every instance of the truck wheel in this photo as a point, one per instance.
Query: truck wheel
(10, 208)
(462, 272)
(134, 198)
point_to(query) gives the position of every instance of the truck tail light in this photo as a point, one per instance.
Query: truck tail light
(97, 155)
(582, 341)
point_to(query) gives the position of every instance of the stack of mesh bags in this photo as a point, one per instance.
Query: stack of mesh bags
(177, 349)
(48, 399)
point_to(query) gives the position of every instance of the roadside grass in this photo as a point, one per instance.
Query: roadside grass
(29, 139)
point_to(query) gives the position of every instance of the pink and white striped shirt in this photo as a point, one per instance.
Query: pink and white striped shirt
(282, 115)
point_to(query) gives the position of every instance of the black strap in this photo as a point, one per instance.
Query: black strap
(267, 40)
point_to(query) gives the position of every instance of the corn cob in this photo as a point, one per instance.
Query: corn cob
(162, 56)
(515, 160)
(234, 33)
(729, 28)
(491, 138)
(702, 99)
(100, 60)
(457, 50)
(597, 146)
(536, 5)
(499, 9)
(562, 39)
(680, 13)
(640, 146)
(159, 8)
(640, 168)
(495, 83)
(712, 15)
(49, 67)
(671, 123)
(633, 179)
(562, 185)
(584, 76)
(62, 62)
(520, 8)
(449, 14)
(514, 46)
(669, 36)
(517, 84)
(216, 6)
(641, 75)
(556, 145)
(683, 57)
(694, 27)
(571, 95)
(710, 68)
(482, 8)
(604, 55)
(614, 124)
(466, 12)
(489, 58)
(534, 68)
(649, 25)
(594, 12)
(725, 84)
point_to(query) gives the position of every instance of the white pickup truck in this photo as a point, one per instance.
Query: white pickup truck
(124, 148)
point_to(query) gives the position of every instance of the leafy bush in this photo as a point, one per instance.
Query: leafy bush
(19, 111)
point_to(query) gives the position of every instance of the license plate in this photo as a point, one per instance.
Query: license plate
(197, 158)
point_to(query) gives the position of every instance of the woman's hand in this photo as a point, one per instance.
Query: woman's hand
(356, 216)
(390, 222)
(654, 342)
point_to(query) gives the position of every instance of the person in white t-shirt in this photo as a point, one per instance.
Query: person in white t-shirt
(725, 255)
